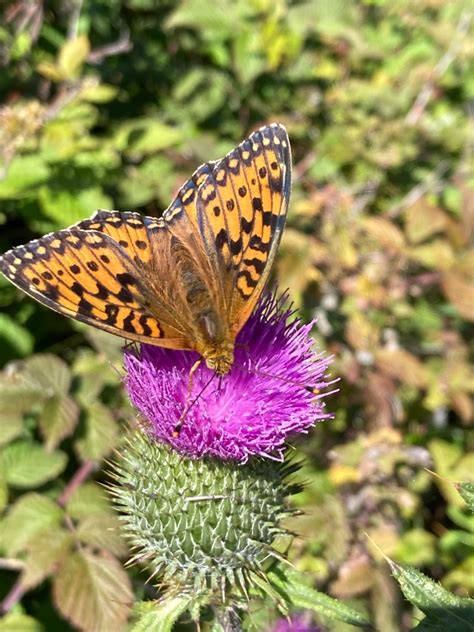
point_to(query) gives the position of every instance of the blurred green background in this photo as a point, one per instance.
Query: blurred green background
(113, 104)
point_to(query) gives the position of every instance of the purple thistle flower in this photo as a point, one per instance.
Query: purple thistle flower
(250, 411)
(299, 623)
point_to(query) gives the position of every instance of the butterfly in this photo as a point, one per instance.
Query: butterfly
(187, 280)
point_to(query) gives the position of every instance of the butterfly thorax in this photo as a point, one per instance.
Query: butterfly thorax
(213, 344)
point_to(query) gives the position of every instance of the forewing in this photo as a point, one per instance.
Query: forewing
(242, 206)
(85, 274)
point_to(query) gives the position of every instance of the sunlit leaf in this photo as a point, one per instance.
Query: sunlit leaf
(294, 589)
(466, 491)
(101, 530)
(422, 220)
(88, 499)
(72, 55)
(18, 622)
(26, 464)
(16, 335)
(11, 427)
(160, 616)
(402, 365)
(44, 552)
(30, 515)
(101, 433)
(441, 607)
(460, 291)
(58, 420)
(93, 592)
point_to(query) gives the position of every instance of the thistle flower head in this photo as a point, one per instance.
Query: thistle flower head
(250, 411)
(201, 526)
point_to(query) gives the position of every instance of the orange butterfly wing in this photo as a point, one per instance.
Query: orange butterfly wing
(239, 206)
(85, 274)
(133, 276)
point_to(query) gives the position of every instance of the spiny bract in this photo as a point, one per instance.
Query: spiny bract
(202, 526)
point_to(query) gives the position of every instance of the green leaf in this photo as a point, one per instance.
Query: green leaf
(466, 491)
(27, 464)
(3, 493)
(18, 622)
(147, 136)
(67, 207)
(11, 427)
(87, 500)
(72, 55)
(30, 515)
(160, 616)
(48, 371)
(458, 619)
(94, 373)
(25, 173)
(17, 394)
(101, 436)
(416, 547)
(292, 587)
(98, 93)
(45, 551)
(16, 335)
(426, 594)
(58, 419)
(102, 531)
(93, 592)
(49, 70)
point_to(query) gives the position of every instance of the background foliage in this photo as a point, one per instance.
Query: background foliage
(113, 104)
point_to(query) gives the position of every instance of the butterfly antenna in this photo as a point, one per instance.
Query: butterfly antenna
(179, 425)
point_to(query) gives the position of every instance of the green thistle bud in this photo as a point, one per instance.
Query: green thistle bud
(203, 527)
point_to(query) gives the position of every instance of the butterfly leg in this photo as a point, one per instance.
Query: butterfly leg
(187, 405)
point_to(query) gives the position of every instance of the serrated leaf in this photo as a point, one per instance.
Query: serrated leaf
(447, 619)
(48, 371)
(30, 515)
(389, 236)
(58, 419)
(101, 435)
(27, 465)
(102, 531)
(45, 551)
(11, 427)
(72, 55)
(17, 394)
(95, 373)
(93, 592)
(18, 622)
(466, 491)
(460, 291)
(423, 592)
(293, 588)
(161, 616)
(422, 220)
(87, 499)
(402, 365)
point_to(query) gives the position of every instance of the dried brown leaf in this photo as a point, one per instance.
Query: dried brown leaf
(422, 220)
(460, 292)
(402, 365)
